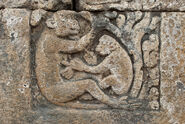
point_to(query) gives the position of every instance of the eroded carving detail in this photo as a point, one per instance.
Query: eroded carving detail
(96, 5)
(98, 61)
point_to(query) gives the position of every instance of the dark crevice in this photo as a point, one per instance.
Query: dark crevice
(74, 5)
(32, 66)
(137, 21)
(159, 62)
(2, 7)
(35, 33)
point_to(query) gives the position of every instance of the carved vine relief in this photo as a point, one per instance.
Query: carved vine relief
(104, 60)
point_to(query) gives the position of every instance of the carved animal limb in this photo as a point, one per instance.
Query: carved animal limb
(55, 44)
(66, 92)
(51, 84)
(116, 62)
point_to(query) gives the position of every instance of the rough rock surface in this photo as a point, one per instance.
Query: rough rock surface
(51, 4)
(169, 5)
(37, 4)
(121, 5)
(15, 95)
(14, 3)
(173, 67)
(106, 65)
(36, 16)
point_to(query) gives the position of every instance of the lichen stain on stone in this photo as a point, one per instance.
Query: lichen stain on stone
(180, 86)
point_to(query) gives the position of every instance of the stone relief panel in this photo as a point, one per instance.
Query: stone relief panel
(100, 60)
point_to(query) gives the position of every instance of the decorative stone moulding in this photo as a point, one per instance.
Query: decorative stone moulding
(124, 5)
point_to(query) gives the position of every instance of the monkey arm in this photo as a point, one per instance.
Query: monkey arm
(100, 68)
(79, 65)
(96, 69)
(71, 46)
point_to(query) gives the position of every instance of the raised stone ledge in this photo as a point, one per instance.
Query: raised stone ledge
(133, 5)
(51, 5)
(97, 5)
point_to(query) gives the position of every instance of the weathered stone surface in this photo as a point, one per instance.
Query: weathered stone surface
(15, 3)
(113, 66)
(150, 5)
(37, 16)
(169, 5)
(15, 94)
(37, 4)
(104, 67)
(173, 68)
(51, 4)
(74, 116)
(153, 46)
(96, 5)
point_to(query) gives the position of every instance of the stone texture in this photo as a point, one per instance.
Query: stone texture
(169, 5)
(114, 60)
(149, 5)
(161, 36)
(37, 16)
(104, 67)
(51, 4)
(15, 3)
(98, 5)
(14, 65)
(37, 4)
(172, 67)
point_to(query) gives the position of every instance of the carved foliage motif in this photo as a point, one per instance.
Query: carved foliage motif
(102, 60)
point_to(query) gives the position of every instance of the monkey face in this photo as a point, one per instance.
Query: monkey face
(64, 24)
(106, 45)
(68, 27)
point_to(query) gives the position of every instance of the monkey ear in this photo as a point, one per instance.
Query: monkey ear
(86, 15)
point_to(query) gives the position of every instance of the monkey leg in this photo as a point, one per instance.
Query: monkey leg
(68, 91)
(114, 82)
